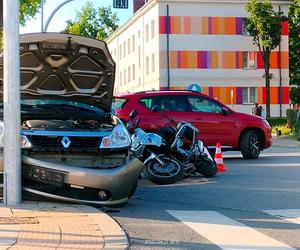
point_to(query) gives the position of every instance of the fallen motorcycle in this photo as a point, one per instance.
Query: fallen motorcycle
(159, 167)
(183, 142)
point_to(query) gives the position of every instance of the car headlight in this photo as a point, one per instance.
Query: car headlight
(24, 143)
(119, 138)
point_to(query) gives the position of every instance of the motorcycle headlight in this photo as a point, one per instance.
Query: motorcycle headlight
(119, 138)
(24, 143)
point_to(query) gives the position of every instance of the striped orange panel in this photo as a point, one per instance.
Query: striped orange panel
(229, 25)
(183, 60)
(260, 95)
(284, 60)
(204, 23)
(216, 93)
(173, 59)
(177, 25)
(222, 94)
(274, 60)
(214, 59)
(205, 90)
(229, 60)
(273, 95)
(192, 60)
(187, 25)
(215, 25)
(222, 26)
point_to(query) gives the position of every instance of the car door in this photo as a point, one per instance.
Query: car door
(214, 125)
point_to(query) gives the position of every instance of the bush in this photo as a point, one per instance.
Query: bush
(291, 115)
(277, 121)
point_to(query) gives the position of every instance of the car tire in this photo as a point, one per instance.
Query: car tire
(250, 145)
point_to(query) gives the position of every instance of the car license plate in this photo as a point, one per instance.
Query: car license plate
(44, 175)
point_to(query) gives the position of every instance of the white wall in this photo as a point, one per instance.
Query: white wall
(145, 54)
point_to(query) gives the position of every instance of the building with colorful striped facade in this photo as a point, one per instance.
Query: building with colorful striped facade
(199, 45)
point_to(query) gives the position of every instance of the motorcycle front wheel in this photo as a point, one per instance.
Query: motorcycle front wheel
(206, 167)
(171, 172)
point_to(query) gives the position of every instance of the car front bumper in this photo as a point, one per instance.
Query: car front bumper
(81, 184)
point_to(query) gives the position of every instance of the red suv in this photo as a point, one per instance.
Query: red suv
(216, 122)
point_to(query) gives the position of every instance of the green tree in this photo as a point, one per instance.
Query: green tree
(93, 23)
(28, 9)
(264, 25)
(294, 43)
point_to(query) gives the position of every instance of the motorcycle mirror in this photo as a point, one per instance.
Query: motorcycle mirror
(133, 114)
(225, 111)
(155, 108)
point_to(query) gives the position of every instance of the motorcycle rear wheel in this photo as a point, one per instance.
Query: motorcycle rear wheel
(206, 167)
(172, 172)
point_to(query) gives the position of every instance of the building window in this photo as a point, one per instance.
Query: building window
(124, 49)
(120, 78)
(133, 43)
(147, 32)
(128, 46)
(147, 65)
(133, 72)
(249, 95)
(120, 55)
(125, 76)
(244, 27)
(139, 55)
(153, 63)
(152, 29)
(129, 74)
(249, 60)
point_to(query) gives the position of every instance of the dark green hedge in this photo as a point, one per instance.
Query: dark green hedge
(277, 121)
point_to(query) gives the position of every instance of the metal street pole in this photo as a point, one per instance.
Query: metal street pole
(53, 13)
(11, 100)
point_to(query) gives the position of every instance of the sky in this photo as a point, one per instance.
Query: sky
(68, 11)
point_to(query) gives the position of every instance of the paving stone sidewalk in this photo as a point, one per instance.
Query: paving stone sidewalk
(285, 142)
(40, 225)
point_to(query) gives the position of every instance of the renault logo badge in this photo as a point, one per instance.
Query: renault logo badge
(65, 141)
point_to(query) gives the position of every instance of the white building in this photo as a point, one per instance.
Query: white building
(199, 45)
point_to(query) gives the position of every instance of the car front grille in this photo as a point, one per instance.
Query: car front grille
(55, 143)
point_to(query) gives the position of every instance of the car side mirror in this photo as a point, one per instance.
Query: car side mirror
(155, 108)
(225, 111)
(133, 114)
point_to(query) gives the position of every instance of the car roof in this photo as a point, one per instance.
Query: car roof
(159, 92)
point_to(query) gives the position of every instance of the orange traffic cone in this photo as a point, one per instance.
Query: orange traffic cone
(219, 159)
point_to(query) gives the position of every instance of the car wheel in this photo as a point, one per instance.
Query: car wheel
(250, 145)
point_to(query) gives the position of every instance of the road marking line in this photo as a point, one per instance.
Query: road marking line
(227, 233)
(291, 215)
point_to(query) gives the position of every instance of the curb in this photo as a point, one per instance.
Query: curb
(114, 236)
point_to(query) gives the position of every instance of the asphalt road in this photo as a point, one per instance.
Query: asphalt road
(255, 205)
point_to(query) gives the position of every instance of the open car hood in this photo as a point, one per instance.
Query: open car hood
(65, 67)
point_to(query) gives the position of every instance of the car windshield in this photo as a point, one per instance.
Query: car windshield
(58, 103)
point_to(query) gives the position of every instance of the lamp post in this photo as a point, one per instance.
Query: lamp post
(11, 100)
(45, 27)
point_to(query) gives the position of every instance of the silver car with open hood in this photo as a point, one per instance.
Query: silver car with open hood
(74, 148)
